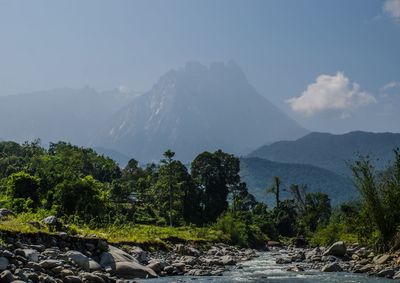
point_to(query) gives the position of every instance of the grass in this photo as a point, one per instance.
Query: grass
(126, 233)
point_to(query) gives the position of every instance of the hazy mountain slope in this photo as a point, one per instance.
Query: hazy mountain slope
(332, 151)
(195, 109)
(258, 174)
(66, 114)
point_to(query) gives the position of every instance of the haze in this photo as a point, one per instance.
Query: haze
(333, 66)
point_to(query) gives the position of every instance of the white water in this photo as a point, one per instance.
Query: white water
(264, 269)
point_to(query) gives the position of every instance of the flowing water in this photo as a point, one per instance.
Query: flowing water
(264, 269)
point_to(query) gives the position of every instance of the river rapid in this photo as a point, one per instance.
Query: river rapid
(264, 269)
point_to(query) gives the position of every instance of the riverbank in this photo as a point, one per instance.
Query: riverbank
(341, 258)
(59, 257)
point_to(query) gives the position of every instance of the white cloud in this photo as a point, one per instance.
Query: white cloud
(330, 93)
(392, 8)
(391, 85)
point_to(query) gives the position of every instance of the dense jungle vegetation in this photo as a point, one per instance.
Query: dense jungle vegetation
(205, 200)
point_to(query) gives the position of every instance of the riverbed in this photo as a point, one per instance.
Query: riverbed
(264, 269)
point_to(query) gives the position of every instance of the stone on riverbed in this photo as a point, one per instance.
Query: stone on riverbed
(83, 261)
(332, 267)
(337, 249)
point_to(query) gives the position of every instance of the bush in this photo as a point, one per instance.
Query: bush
(234, 228)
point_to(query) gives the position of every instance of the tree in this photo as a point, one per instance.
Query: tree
(169, 155)
(275, 189)
(216, 176)
(83, 197)
(22, 185)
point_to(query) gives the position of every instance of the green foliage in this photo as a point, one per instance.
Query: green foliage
(23, 191)
(380, 195)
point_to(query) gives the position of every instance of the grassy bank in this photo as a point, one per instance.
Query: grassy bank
(124, 233)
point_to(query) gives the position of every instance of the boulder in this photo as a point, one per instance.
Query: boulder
(186, 250)
(29, 254)
(283, 260)
(50, 263)
(3, 263)
(365, 268)
(51, 220)
(124, 265)
(83, 261)
(332, 267)
(72, 279)
(383, 259)
(228, 260)
(157, 265)
(91, 278)
(114, 255)
(6, 277)
(388, 273)
(132, 270)
(140, 254)
(336, 249)
(295, 268)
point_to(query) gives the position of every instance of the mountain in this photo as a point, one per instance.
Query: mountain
(72, 115)
(193, 109)
(259, 173)
(333, 152)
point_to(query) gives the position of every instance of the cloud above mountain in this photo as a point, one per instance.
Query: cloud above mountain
(331, 93)
(392, 8)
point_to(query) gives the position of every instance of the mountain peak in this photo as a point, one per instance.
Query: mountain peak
(197, 108)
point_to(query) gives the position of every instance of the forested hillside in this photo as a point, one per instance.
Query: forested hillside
(333, 152)
(259, 173)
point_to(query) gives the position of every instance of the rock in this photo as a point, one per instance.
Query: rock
(228, 260)
(140, 255)
(29, 254)
(3, 263)
(388, 273)
(283, 260)
(295, 268)
(51, 220)
(91, 278)
(83, 261)
(50, 263)
(34, 266)
(332, 267)
(6, 277)
(124, 265)
(365, 268)
(131, 270)
(383, 259)
(397, 275)
(157, 265)
(186, 250)
(114, 255)
(189, 260)
(66, 272)
(72, 279)
(7, 254)
(337, 249)
(179, 265)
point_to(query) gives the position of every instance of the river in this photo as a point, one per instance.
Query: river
(264, 269)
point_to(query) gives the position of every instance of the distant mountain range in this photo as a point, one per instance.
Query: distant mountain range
(333, 152)
(259, 173)
(72, 115)
(188, 110)
(197, 108)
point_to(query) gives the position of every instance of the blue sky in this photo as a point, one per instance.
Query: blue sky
(305, 56)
